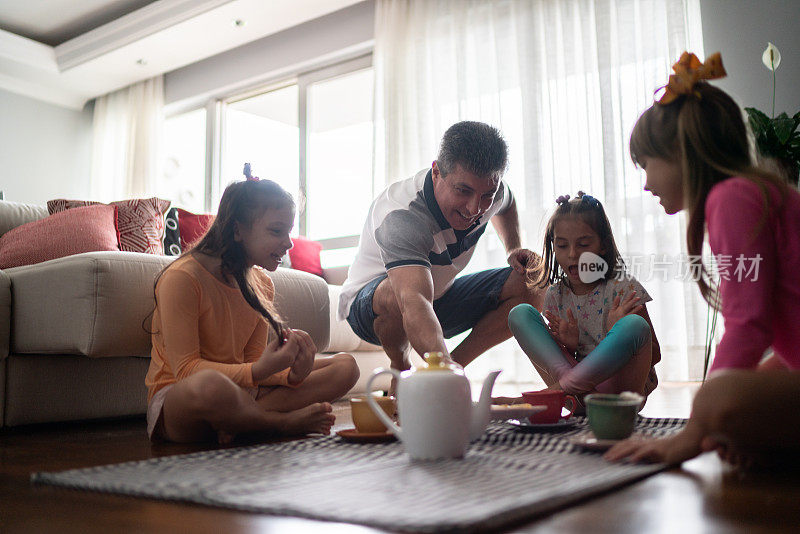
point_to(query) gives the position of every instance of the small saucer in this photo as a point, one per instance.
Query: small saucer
(353, 435)
(526, 425)
(591, 443)
(502, 412)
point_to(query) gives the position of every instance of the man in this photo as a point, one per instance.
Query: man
(420, 233)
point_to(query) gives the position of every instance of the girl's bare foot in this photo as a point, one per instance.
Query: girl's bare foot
(313, 419)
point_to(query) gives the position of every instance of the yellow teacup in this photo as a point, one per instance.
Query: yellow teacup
(363, 417)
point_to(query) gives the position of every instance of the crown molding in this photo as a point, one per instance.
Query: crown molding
(41, 91)
(158, 38)
(27, 52)
(133, 27)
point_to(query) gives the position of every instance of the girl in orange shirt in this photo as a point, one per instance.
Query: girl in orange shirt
(222, 363)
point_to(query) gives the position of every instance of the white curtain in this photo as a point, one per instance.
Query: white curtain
(127, 130)
(565, 81)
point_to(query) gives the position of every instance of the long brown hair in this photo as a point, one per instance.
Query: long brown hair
(706, 133)
(589, 210)
(242, 204)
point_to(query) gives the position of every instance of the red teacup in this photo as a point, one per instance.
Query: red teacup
(555, 401)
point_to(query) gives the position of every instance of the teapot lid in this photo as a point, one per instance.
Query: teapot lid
(434, 361)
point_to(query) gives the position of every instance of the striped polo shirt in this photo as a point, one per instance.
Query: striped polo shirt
(405, 226)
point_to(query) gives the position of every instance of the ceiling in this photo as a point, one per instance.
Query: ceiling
(67, 52)
(54, 22)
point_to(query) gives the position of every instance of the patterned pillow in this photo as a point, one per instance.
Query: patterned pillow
(172, 234)
(86, 229)
(140, 221)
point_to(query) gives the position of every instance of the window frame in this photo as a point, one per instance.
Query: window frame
(303, 77)
(216, 129)
(305, 80)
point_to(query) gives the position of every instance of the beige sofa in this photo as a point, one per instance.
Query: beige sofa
(72, 342)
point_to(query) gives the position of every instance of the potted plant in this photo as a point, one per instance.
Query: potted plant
(777, 138)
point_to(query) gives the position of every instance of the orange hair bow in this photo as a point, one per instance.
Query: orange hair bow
(688, 71)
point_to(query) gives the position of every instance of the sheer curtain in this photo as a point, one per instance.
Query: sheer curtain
(565, 81)
(127, 130)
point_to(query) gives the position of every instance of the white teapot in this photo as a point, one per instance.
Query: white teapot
(435, 408)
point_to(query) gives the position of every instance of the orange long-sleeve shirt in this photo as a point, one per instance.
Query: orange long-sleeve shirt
(201, 323)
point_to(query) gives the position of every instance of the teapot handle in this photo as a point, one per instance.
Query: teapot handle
(377, 410)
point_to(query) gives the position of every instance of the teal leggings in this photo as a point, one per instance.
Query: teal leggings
(623, 341)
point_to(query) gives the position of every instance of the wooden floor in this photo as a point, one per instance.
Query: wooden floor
(703, 496)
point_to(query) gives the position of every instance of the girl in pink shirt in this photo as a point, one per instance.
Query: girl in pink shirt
(693, 146)
(222, 362)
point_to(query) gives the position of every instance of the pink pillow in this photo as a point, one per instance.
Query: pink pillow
(304, 255)
(140, 221)
(86, 229)
(192, 226)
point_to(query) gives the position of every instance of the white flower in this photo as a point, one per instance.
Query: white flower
(771, 57)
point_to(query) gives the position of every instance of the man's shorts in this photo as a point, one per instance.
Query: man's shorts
(469, 298)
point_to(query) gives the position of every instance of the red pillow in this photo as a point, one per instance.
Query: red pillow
(192, 227)
(304, 255)
(86, 229)
(140, 221)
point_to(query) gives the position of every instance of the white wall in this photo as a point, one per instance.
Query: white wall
(45, 150)
(305, 46)
(740, 29)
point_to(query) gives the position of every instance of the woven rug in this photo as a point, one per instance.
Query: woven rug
(506, 476)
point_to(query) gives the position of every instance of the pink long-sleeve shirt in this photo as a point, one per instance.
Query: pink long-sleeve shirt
(760, 308)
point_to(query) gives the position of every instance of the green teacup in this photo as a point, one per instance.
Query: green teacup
(612, 416)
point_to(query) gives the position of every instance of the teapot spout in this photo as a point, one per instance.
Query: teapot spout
(481, 409)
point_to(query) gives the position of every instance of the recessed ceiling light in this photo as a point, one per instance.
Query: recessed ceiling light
(141, 62)
(239, 23)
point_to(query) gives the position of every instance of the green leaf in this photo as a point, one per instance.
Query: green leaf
(783, 127)
(759, 122)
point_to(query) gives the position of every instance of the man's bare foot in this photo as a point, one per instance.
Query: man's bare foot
(313, 419)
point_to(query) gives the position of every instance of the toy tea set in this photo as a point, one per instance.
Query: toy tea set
(434, 405)
(439, 418)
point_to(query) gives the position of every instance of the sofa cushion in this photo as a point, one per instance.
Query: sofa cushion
(99, 304)
(302, 302)
(86, 229)
(44, 388)
(140, 221)
(13, 214)
(96, 304)
(5, 315)
(343, 339)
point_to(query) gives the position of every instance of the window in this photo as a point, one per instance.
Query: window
(339, 155)
(263, 131)
(314, 136)
(184, 178)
